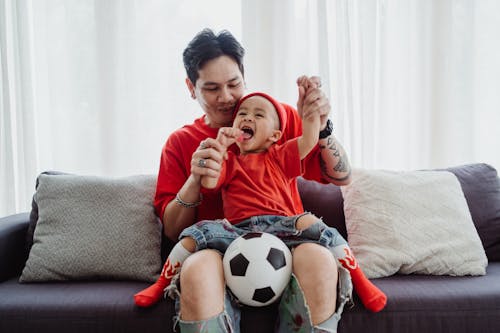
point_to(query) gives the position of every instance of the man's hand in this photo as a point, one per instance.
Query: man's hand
(207, 159)
(225, 137)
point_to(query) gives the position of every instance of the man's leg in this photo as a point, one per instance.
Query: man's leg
(198, 301)
(317, 293)
(371, 296)
(315, 297)
(204, 304)
(316, 272)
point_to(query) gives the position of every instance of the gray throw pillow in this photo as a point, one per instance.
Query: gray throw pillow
(94, 228)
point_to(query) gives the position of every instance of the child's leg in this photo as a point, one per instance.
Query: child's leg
(154, 293)
(371, 296)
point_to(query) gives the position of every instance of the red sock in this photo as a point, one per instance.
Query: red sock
(154, 293)
(372, 297)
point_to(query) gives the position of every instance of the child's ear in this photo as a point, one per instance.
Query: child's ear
(276, 136)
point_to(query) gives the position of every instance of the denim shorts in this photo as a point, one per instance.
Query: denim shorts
(218, 234)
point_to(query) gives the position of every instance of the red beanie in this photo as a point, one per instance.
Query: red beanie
(280, 110)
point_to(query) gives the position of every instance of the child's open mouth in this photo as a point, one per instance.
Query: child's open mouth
(247, 132)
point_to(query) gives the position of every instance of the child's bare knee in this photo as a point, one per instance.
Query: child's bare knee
(305, 221)
(189, 244)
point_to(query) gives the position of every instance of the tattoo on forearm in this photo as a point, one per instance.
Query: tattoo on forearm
(342, 165)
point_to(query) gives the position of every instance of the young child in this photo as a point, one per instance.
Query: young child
(255, 198)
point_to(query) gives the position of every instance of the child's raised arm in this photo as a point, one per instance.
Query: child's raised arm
(308, 93)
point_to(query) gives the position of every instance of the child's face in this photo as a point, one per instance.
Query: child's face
(258, 119)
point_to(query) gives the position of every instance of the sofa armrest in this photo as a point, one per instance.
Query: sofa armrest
(13, 252)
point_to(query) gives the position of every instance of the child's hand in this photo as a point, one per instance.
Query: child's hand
(307, 86)
(303, 82)
(312, 100)
(306, 83)
(229, 135)
(315, 82)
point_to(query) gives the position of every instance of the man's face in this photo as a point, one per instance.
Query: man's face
(219, 87)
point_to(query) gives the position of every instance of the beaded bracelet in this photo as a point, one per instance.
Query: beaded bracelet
(185, 204)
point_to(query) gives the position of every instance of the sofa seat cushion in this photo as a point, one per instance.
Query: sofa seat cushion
(100, 306)
(429, 303)
(416, 303)
(97, 307)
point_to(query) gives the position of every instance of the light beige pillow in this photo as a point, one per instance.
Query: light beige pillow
(411, 222)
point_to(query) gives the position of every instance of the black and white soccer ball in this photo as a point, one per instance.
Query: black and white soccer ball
(257, 268)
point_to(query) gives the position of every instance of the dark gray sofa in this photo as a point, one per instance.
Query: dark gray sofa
(416, 303)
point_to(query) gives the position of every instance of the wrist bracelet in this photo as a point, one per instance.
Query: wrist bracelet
(185, 204)
(327, 131)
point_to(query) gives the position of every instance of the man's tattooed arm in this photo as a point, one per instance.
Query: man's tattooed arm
(334, 162)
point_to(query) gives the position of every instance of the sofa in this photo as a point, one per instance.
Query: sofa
(416, 302)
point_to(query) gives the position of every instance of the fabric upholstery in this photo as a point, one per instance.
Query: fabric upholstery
(480, 184)
(481, 187)
(94, 228)
(416, 303)
(12, 238)
(325, 201)
(411, 222)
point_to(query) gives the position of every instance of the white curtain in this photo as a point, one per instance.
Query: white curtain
(414, 84)
(95, 87)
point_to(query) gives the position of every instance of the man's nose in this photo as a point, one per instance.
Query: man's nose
(225, 95)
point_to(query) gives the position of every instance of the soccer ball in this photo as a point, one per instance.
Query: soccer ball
(257, 268)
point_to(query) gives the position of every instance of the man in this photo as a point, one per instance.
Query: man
(214, 66)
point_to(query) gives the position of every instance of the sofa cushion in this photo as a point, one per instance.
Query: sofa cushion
(481, 187)
(94, 228)
(416, 303)
(429, 303)
(411, 222)
(80, 307)
(325, 201)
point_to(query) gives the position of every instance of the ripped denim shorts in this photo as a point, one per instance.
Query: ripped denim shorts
(294, 313)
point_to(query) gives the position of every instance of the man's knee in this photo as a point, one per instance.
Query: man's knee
(316, 272)
(314, 258)
(202, 285)
(203, 268)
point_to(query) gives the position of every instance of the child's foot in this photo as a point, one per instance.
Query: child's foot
(152, 294)
(372, 297)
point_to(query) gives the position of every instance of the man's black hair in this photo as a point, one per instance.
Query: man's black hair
(205, 46)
